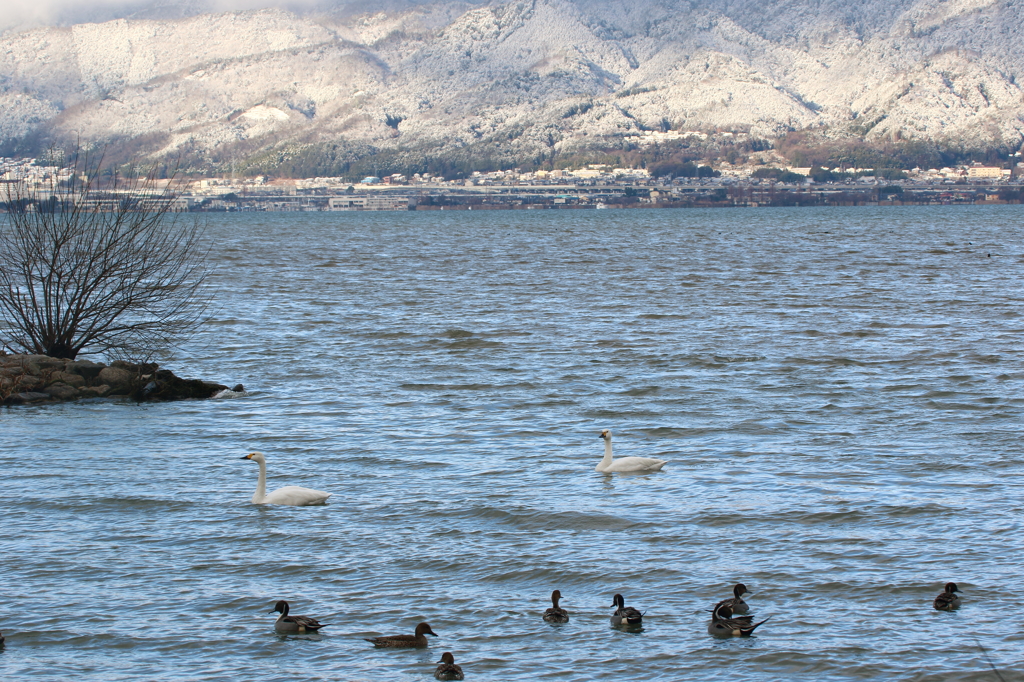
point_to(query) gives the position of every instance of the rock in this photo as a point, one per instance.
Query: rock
(61, 391)
(86, 369)
(28, 382)
(166, 386)
(141, 368)
(28, 397)
(44, 362)
(26, 375)
(119, 380)
(21, 363)
(68, 378)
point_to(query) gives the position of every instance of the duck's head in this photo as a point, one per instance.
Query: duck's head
(281, 607)
(555, 596)
(618, 601)
(723, 612)
(424, 629)
(951, 588)
(447, 657)
(605, 435)
(740, 590)
(255, 456)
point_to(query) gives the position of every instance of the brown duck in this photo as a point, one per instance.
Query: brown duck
(556, 614)
(947, 599)
(417, 640)
(447, 670)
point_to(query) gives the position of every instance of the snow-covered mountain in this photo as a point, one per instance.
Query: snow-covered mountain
(515, 80)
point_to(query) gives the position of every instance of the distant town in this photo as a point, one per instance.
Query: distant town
(593, 186)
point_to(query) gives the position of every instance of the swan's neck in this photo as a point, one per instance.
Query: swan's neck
(261, 485)
(607, 461)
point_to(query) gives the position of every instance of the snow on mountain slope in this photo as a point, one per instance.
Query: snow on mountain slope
(523, 77)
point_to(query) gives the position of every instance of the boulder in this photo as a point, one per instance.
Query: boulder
(141, 368)
(119, 380)
(45, 362)
(28, 397)
(28, 382)
(100, 391)
(68, 378)
(86, 369)
(61, 391)
(21, 363)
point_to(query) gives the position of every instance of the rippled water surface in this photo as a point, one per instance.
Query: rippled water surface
(838, 393)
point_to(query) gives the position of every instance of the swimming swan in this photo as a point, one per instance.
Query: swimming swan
(623, 464)
(291, 495)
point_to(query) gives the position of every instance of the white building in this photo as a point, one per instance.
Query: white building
(368, 202)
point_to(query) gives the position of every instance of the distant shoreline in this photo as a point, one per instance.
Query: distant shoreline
(590, 198)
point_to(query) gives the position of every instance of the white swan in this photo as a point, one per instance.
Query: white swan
(622, 464)
(291, 495)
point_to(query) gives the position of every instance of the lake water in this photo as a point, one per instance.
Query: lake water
(838, 392)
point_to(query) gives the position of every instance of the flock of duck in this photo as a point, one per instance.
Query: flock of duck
(729, 618)
(447, 669)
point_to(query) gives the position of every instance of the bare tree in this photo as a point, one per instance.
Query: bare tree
(98, 264)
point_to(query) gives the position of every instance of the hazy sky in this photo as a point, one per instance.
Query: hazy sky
(24, 13)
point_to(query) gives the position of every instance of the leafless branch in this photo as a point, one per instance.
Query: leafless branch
(98, 264)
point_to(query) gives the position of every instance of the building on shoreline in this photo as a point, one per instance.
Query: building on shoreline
(596, 184)
(368, 202)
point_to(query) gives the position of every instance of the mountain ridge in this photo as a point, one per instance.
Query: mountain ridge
(517, 82)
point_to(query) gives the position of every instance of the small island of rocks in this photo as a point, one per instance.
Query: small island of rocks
(40, 378)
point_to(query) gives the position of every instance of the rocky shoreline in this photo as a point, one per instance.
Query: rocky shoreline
(40, 379)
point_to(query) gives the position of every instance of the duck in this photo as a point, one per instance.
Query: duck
(624, 464)
(947, 599)
(625, 615)
(736, 603)
(294, 625)
(723, 624)
(290, 495)
(556, 614)
(448, 670)
(417, 640)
